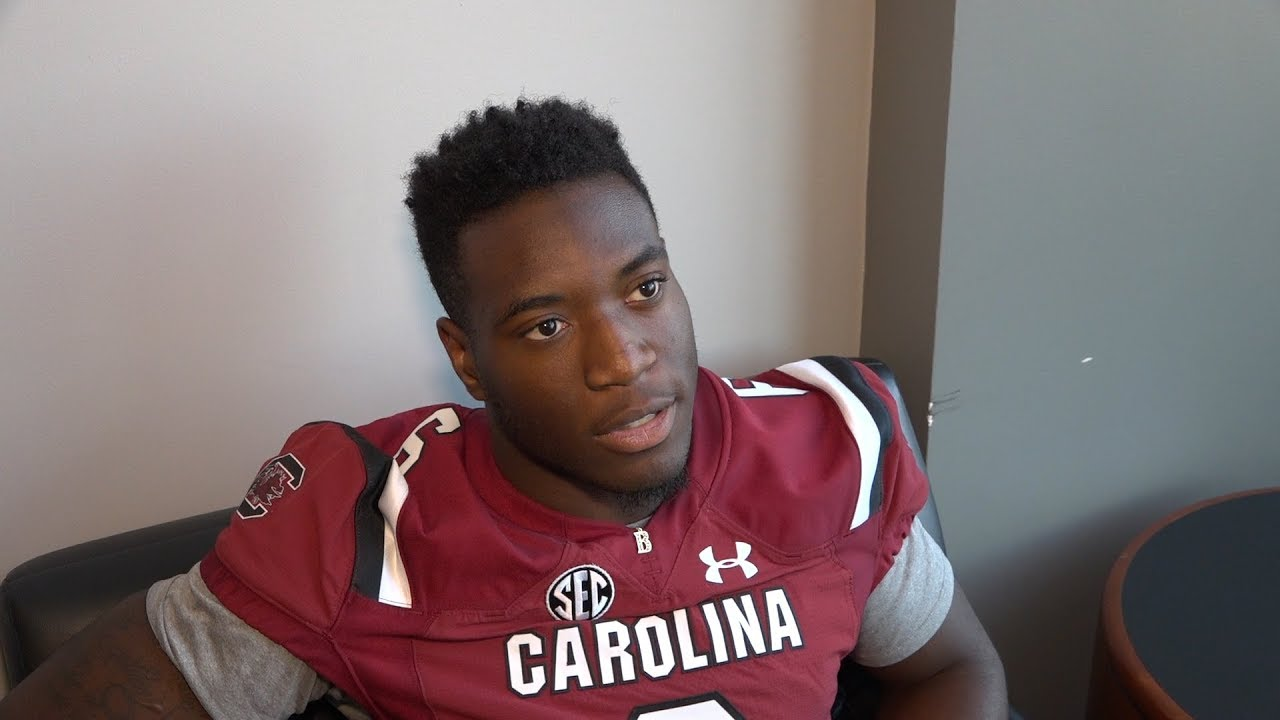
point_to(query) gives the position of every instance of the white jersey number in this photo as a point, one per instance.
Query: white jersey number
(711, 706)
(755, 388)
(445, 421)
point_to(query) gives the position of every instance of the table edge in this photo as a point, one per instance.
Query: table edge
(1138, 683)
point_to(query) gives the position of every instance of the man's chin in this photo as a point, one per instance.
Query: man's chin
(644, 496)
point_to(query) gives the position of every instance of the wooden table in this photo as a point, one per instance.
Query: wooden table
(1190, 619)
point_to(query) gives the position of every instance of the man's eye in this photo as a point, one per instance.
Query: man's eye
(648, 290)
(546, 329)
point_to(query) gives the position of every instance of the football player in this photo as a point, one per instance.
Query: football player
(614, 533)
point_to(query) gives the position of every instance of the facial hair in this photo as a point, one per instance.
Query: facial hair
(526, 438)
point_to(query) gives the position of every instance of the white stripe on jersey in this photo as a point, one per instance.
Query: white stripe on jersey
(857, 417)
(394, 588)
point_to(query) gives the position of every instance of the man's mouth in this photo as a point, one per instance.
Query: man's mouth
(643, 433)
(637, 423)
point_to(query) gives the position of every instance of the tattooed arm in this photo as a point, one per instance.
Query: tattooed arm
(112, 669)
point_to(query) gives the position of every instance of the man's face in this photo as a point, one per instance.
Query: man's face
(580, 343)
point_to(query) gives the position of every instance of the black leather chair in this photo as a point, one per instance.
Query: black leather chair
(45, 601)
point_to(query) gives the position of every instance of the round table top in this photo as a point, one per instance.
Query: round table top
(1198, 599)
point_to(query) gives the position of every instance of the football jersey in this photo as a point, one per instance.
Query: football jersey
(397, 561)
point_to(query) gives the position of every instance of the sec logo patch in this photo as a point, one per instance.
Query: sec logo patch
(584, 592)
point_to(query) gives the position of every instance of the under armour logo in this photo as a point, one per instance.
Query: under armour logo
(714, 566)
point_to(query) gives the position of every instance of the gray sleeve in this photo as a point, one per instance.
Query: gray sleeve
(909, 605)
(234, 670)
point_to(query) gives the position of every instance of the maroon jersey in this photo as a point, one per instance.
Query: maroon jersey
(398, 562)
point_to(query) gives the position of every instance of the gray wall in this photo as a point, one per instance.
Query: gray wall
(906, 167)
(1106, 336)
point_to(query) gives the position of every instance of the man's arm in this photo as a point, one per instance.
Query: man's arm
(112, 669)
(956, 674)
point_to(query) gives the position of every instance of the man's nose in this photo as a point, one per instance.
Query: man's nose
(616, 353)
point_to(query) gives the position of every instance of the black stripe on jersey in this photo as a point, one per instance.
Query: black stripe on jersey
(367, 575)
(844, 371)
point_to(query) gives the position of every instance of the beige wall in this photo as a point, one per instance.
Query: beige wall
(202, 238)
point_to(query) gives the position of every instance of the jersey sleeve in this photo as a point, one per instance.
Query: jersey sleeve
(289, 558)
(909, 604)
(891, 487)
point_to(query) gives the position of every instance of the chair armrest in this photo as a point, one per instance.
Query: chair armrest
(46, 600)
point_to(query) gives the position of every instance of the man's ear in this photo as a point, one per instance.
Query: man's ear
(458, 346)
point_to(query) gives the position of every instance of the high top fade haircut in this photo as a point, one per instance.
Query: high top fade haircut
(495, 156)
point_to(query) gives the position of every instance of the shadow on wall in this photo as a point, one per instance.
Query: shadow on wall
(838, 94)
(1040, 623)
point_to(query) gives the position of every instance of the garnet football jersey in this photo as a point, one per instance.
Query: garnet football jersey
(398, 562)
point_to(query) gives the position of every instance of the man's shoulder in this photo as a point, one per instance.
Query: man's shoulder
(315, 514)
(829, 398)
(390, 433)
(331, 464)
(806, 451)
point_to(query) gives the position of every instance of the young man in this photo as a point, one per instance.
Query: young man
(616, 534)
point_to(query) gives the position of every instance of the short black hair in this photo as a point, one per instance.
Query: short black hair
(495, 156)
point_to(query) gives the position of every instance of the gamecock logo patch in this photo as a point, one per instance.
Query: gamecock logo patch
(279, 476)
